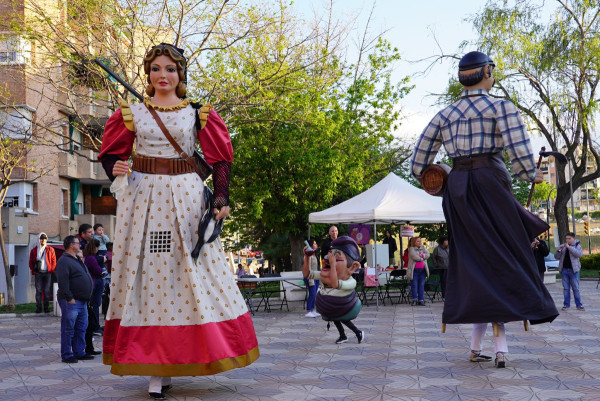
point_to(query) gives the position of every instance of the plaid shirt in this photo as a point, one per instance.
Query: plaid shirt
(477, 124)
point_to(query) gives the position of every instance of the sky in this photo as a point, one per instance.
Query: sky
(420, 30)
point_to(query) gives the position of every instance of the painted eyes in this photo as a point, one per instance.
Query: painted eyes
(169, 70)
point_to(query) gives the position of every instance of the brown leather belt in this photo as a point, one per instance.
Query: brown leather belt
(157, 165)
(478, 161)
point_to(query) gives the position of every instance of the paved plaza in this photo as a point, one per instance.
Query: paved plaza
(404, 357)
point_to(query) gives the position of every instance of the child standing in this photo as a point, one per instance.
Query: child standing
(336, 298)
(102, 250)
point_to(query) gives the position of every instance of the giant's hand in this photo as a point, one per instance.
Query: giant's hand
(219, 214)
(120, 168)
(539, 176)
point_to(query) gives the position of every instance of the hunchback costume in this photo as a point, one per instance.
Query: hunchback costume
(169, 316)
(492, 273)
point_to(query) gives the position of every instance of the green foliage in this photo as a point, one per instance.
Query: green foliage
(590, 262)
(541, 193)
(318, 132)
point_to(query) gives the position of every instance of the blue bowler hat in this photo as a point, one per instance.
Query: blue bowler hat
(473, 60)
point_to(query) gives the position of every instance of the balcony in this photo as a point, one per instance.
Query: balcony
(84, 168)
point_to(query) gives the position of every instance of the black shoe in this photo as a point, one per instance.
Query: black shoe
(38, 311)
(477, 357)
(70, 360)
(341, 340)
(421, 303)
(166, 388)
(92, 352)
(158, 396)
(86, 357)
(361, 337)
(499, 361)
(413, 303)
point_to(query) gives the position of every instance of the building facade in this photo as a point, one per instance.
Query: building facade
(63, 184)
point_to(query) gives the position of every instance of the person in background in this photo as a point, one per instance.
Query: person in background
(102, 238)
(94, 268)
(392, 247)
(86, 233)
(540, 251)
(326, 244)
(94, 263)
(311, 284)
(42, 262)
(74, 291)
(441, 257)
(417, 270)
(240, 271)
(569, 267)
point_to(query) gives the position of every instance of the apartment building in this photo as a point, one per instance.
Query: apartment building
(63, 185)
(583, 197)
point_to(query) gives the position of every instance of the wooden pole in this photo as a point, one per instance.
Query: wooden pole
(443, 327)
(495, 327)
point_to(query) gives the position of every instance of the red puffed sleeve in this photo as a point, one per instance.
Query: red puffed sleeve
(117, 142)
(215, 141)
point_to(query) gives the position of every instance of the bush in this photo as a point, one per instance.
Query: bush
(591, 262)
(595, 214)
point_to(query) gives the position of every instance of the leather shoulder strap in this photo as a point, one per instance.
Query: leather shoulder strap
(175, 145)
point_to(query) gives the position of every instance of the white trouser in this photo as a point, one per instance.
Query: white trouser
(479, 330)
(157, 382)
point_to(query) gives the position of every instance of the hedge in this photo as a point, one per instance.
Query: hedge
(591, 262)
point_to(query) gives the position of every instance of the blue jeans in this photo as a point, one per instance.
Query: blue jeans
(417, 285)
(73, 324)
(42, 286)
(312, 294)
(570, 280)
(96, 300)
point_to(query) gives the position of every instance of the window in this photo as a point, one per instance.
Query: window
(11, 201)
(15, 121)
(65, 203)
(13, 50)
(20, 194)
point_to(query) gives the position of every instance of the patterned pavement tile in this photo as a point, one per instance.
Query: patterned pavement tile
(404, 357)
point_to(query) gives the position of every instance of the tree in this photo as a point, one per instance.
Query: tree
(550, 70)
(542, 192)
(16, 145)
(318, 130)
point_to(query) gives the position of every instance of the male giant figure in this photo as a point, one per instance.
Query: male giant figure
(492, 274)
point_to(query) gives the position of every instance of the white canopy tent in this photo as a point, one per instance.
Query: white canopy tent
(391, 200)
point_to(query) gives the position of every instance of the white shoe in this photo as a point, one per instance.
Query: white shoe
(315, 313)
(309, 314)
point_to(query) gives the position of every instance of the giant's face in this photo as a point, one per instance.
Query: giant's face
(163, 74)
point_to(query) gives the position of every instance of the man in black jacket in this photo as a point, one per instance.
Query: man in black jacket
(540, 250)
(74, 291)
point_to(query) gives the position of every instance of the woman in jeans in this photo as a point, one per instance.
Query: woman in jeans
(312, 285)
(417, 270)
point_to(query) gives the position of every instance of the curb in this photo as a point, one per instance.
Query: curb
(14, 315)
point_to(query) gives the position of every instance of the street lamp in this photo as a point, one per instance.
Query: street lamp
(559, 157)
(548, 210)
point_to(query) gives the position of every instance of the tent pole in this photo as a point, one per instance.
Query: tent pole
(376, 270)
(309, 233)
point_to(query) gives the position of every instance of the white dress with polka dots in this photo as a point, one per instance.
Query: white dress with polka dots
(169, 316)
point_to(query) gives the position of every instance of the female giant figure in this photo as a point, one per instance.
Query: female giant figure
(170, 315)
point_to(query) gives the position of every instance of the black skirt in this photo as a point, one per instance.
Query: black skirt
(492, 274)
